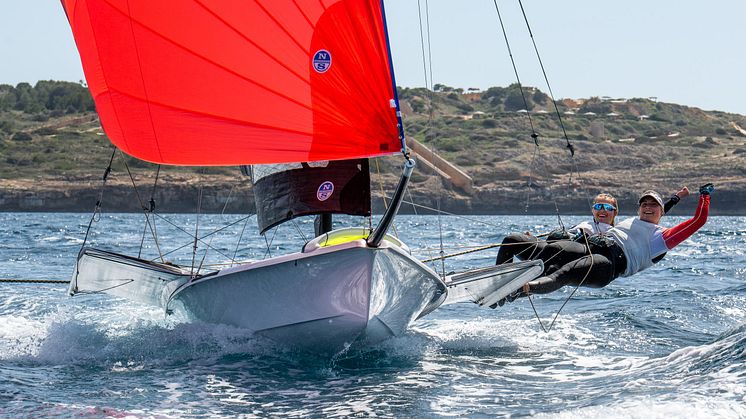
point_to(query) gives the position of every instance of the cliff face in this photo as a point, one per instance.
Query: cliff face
(233, 194)
(176, 195)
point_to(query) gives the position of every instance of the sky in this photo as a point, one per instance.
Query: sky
(686, 52)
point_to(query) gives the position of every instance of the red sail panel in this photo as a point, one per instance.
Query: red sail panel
(229, 82)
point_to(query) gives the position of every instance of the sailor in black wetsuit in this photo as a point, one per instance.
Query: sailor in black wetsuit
(632, 246)
(604, 210)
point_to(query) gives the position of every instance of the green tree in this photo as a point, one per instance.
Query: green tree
(515, 100)
(25, 99)
(540, 97)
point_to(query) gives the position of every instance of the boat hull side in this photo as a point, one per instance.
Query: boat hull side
(402, 290)
(99, 271)
(324, 302)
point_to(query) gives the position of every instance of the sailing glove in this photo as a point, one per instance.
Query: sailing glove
(706, 189)
(558, 234)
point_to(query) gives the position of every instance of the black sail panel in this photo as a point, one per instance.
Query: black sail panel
(285, 191)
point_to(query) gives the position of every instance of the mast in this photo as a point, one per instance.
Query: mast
(375, 238)
(322, 224)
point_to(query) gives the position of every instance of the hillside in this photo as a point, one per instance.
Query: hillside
(53, 153)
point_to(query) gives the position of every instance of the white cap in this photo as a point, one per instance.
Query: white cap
(653, 194)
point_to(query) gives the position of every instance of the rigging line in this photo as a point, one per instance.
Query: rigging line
(430, 130)
(429, 61)
(142, 240)
(174, 225)
(139, 198)
(240, 237)
(127, 282)
(455, 215)
(440, 236)
(531, 177)
(300, 232)
(534, 135)
(422, 42)
(430, 249)
(269, 243)
(33, 281)
(196, 231)
(150, 209)
(362, 223)
(461, 217)
(588, 272)
(429, 41)
(151, 202)
(238, 243)
(479, 249)
(473, 249)
(414, 209)
(559, 218)
(222, 213)
(97, 207)
(569, 146)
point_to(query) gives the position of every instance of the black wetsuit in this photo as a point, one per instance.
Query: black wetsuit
(572, 263)
(524, 246)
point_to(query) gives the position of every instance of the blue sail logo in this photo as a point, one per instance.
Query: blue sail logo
(322, 61)
(325, 191)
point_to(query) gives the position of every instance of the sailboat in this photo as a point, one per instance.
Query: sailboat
(300, 93)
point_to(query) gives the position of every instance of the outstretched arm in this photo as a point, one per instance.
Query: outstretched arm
(677, 234)
(675, 198)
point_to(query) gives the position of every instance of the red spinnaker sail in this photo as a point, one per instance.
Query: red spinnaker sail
(228, 82)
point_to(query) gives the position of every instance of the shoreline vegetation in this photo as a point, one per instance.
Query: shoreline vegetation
(53, 153)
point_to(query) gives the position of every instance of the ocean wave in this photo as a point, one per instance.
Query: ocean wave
(654, 408)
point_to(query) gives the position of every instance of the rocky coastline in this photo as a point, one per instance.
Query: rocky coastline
(217, 197)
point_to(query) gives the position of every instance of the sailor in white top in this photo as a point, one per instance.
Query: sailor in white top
(629, 247)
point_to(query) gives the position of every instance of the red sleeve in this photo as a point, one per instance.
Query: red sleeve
(678, 233)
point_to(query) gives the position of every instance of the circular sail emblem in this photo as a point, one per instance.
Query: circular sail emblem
(325, 191)
(322, 61)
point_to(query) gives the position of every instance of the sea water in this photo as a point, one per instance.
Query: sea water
(667, 342)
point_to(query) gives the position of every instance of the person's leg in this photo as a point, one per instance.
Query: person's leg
(559, 253)
(522, 245)
(593, 271)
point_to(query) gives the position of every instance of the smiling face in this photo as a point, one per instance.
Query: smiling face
(603, 215)
(650, 210)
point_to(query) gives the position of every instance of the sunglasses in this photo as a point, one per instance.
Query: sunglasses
(607, 207)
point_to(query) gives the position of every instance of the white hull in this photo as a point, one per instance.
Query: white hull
(123, 276)
(325, 299)
(487, 286)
